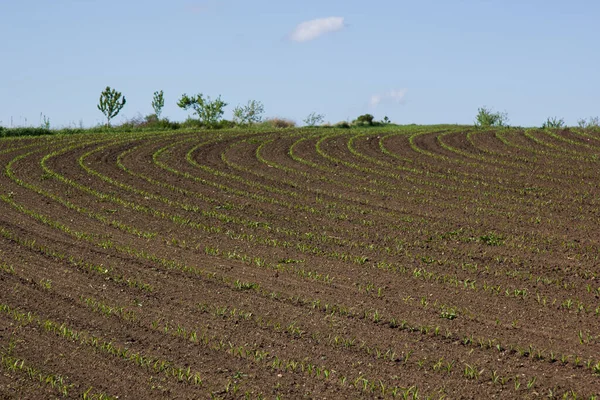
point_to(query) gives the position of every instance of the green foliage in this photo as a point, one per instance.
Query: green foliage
(24, 131)
(487, 118)
(342, 124)
(365, 119)
(251, 113)
(492, 239)
(111, 102)
(158, 102)
(209, 112)
(314, 119)
(386, 120)
(554, 122)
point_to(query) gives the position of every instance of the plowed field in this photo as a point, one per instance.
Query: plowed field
(414, 262)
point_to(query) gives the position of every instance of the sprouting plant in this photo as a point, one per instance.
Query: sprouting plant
(239, 285)
(495, 377)
(448, 313)
(471, 372)
(517, 383)
(492, 239)
(46, 283)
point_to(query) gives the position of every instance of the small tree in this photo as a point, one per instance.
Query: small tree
(366, 119)
(249, 114)
(209, 112)
(314, 119)
(111, 102)
(486, 118)
(158, 102)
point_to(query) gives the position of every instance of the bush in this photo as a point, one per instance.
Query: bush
(192, 123)
(365, 119)
(487, 118)
(251, 113)
(361, 124)
(25, 131)
(314, 119)
(225, 124)
(343, 125)
(280, 123)
(554, 122)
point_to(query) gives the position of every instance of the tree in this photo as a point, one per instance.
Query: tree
(209, 112)
(111, 102)
(313, 119)
(158, 102)
(366, 119)
(249, 114)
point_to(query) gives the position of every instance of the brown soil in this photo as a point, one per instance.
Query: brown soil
(426, 262)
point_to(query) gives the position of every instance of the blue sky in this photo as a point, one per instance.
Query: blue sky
(422, 62)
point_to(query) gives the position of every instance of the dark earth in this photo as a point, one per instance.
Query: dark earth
(438, 262)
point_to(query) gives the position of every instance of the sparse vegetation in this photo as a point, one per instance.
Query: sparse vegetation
(314, 119)
(553, 123)
(589, 123)
(388, 261)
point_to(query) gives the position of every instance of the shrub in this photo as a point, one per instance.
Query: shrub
(225, 124)
(343, 124)
(24, 131)
(280, 123)
(553, 122)
(192, 123)
(249, 114)
(365, 118)
(361, 123)
(313, 119)
(486, 118)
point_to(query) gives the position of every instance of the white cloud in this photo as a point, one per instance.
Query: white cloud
(395, 95)
(310, 30)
